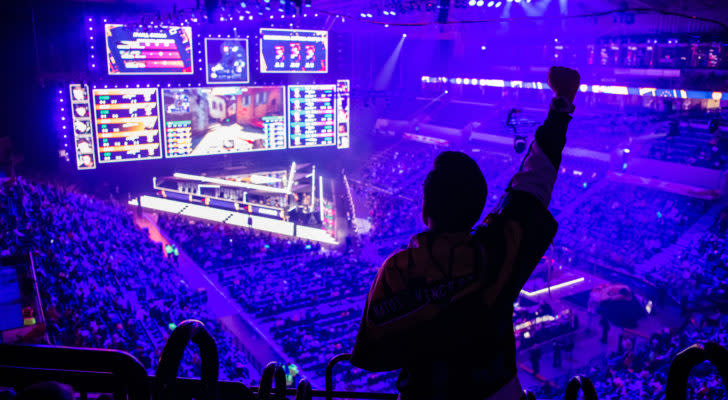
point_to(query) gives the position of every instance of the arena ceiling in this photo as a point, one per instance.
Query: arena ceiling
(650, 16)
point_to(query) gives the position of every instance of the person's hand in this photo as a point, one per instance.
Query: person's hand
(564, 82)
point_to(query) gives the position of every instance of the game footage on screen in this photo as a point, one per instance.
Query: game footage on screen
(219, 120)
(149, 50)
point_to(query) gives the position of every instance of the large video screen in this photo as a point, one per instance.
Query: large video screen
(292, 50)
(131, 50)
(226, 61)
(223, 119)
(127, 124)
(312, 115)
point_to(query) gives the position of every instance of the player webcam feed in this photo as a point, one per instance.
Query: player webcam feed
(159, 50)
(225, 119)
(292, 50)
(226, 60)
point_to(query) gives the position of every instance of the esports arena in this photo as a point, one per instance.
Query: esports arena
(197, 197)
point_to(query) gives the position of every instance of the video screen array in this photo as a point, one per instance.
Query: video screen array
(168, 50)
(149, 123)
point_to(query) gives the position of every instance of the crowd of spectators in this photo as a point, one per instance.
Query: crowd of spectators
(623, 225)
(698, 142)
(637, 369)
(103, 281)
(218, 246)
(698, 276)
(106, 284)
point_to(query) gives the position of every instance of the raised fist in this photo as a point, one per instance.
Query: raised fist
(564, 82)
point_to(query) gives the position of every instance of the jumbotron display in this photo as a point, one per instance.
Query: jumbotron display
(311, 109)
(292, 50)
(127, 124)
(148, 51)
(226, 61)
(225, 119)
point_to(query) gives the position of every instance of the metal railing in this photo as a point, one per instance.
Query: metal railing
(120, 374)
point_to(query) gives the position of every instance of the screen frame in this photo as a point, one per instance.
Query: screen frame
(164, 121)
(247, 63)
(260, 51)
(335, 123)
(192, 54)
(96, 133)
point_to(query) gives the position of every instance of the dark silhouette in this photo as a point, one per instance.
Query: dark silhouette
(605, 329)
(441, 310)
(535, 357)
(558, 347)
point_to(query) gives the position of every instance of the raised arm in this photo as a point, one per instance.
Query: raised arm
(538, 171)
(522, 224)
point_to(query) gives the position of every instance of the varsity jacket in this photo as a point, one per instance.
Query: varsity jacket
(441, 310)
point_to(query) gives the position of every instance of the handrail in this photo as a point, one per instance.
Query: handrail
(677, 375)
(273, 373)
(330, 372)
(186, 331)
(123, 366)
(583, 383)
(304, 391)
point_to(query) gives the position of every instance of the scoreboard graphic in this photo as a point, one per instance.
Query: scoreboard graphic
(312, 116)
(164, 50)
(127, 124)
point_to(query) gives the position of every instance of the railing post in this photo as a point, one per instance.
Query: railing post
(273, 373)
(188, 330)
(330, 372)
(583, 383)
(676, 386)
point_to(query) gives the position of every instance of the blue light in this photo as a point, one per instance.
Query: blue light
(659, 214)
(308, 247)
(624, 166)
(584, 185)
(267, 246)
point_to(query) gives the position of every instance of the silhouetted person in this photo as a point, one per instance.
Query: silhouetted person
(558, 347)
(441, 310)
(605, 329)
(535, 357)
